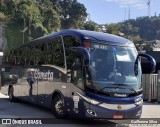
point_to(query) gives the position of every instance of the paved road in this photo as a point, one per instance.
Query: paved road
(22, 110)
(151, 110)
(18, 110)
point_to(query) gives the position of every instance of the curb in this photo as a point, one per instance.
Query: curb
(3, 96)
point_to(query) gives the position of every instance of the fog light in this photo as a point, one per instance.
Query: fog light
(91, 112)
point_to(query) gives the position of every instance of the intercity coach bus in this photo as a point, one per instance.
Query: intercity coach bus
(78, 74)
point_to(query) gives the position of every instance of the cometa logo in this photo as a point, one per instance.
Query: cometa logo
(120, 95)
(43, 75)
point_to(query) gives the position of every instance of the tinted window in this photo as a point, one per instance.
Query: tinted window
(8, 58)
(70, 41)
(27, 56)
(54, 53)
(38, 55)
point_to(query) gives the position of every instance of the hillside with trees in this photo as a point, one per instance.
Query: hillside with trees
(138, 30)
(29, 19)
(147, 28)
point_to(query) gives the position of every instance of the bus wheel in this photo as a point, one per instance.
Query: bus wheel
(11, 95)
(57, 107)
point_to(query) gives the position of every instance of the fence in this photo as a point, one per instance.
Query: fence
(151, 86)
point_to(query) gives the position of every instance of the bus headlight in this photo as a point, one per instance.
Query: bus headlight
(139, 101)
(91, 101)
(94, 102)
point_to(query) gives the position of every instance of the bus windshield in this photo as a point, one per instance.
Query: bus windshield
(113, 67)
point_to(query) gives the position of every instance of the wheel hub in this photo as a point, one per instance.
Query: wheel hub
(59, 107)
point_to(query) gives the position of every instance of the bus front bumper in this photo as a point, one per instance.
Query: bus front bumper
(96, 111)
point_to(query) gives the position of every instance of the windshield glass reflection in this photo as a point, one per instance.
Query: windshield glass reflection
(114, 65)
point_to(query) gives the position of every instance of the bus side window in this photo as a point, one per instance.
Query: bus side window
(20, 57)
(58, 52)
(54, 53)
(38, 57)
(8, 58)
(30, 55)
(26, 54)
(12, 57)
(70, 41)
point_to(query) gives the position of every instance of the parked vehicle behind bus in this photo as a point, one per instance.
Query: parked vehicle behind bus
(77, 73)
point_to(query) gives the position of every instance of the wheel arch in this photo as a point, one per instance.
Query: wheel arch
(12, 98)
(10, 86)
(57, 92)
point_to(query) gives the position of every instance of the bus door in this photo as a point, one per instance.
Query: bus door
(77, 81)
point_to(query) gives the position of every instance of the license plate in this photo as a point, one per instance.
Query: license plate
(117, 116)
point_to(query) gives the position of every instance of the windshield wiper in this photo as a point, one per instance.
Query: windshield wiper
(130, 87)
(99, 90)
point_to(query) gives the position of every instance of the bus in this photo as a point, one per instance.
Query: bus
(78, 74)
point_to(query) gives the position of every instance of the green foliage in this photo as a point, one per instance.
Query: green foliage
(90, 25)
(51, 20)
(145, 27)
(73, 14)
(113, 28)
(2, 17)
(36, 18)
(14, 36)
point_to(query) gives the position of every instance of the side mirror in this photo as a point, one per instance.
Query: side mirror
(69, 71)
(151, 60)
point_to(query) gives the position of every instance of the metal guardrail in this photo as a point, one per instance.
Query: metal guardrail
(153, 93)
(151, 86)
(158, 98)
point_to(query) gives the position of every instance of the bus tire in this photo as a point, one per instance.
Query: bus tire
(57, 107)
(11, 95)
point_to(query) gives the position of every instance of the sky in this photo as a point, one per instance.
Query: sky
(114, 11)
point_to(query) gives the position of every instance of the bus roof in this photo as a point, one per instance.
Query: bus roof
(98, 36)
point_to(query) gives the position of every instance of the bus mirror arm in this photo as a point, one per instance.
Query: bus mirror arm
(151, 60)
(69, 71)
(84, 52)
(78, 81)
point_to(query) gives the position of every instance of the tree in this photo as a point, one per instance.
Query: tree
(113, 29)
(91, 25)
(73, 14)
(2, 17)
(29, 19)
(51, 20)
